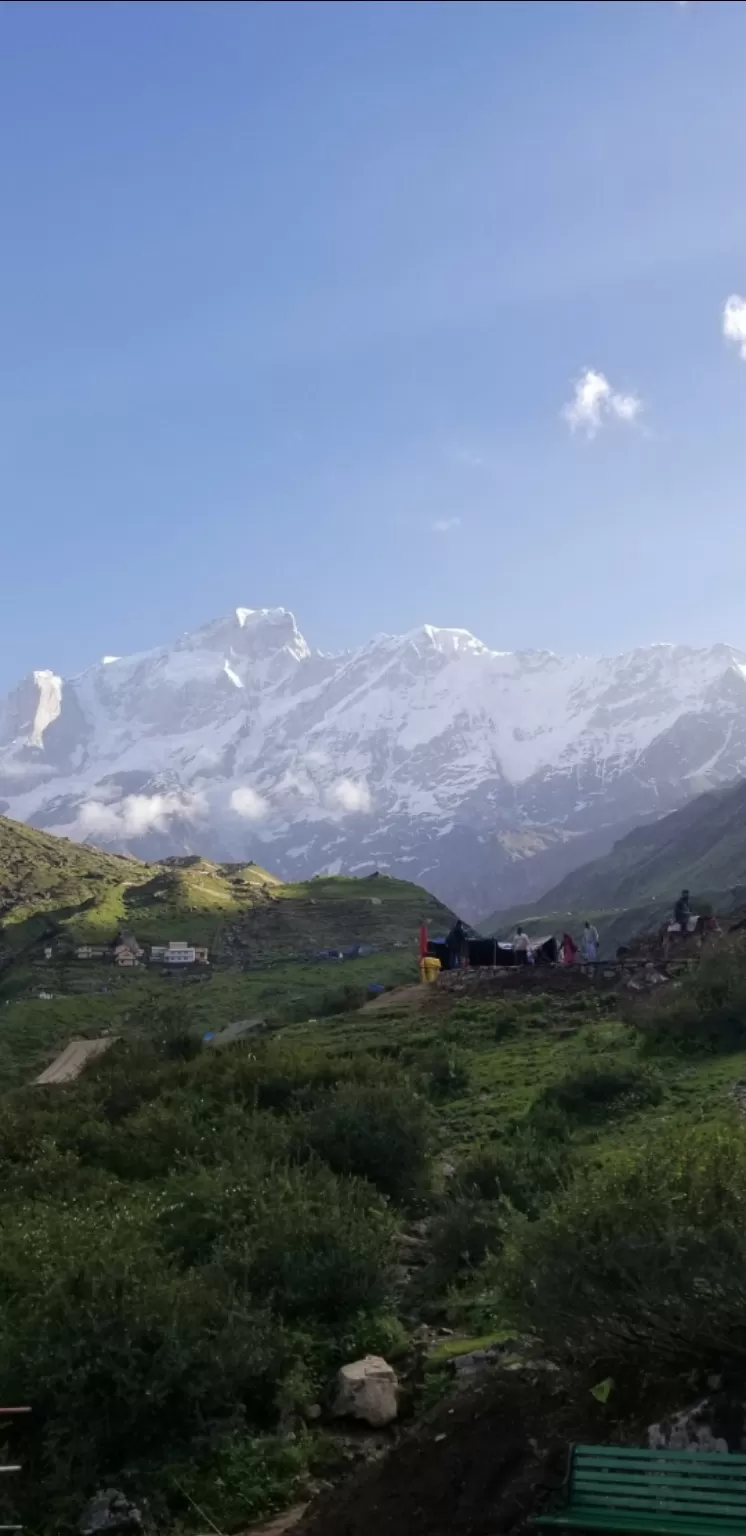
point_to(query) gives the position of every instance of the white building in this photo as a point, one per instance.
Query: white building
(179, 952)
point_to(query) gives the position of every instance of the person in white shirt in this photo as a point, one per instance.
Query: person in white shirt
(590, 942)
(522, 946)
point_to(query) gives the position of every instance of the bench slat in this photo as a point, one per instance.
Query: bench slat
(601, 1520)
(650, 1482)
(636, 1453)
(663, 1504)
(653, 1486)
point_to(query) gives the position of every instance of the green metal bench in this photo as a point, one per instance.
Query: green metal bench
(663, 1493)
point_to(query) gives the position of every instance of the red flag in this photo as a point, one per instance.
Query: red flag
(423, 941)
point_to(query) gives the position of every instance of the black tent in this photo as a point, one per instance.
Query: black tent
(496, 952)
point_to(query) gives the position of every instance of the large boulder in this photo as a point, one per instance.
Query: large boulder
(367, 1389)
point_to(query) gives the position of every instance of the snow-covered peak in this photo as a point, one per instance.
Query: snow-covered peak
(452, 642)
(254, 633)
(243, 737)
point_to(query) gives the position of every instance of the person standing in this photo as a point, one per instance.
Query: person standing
(682, 913)
(590, 942)
(569, 949)
(457, 944)
(522, 947)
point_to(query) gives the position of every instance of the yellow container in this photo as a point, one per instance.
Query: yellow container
(430, 966)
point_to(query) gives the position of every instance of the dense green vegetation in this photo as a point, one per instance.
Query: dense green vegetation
(192, 1241)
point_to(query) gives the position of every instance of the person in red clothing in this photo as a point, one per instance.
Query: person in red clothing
(569, 949)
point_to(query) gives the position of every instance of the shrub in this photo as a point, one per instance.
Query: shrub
(643, 1257)
(462, 1236)
(522, 1170)
(123, 1357)
(447, 1071)
(347, 999)
(707, 1009)
(312, 1246)
(379, 1132)
(244, 1479)
(596, 1092)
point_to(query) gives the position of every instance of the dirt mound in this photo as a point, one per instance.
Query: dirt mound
(480, 1466)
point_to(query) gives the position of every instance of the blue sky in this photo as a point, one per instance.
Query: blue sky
(292, 298)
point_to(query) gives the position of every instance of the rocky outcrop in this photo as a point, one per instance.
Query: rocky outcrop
(368, 1390)
(716, 1423)
(110, 1512)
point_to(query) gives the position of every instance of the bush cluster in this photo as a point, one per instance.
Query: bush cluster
(642, 1259)
(187, 1248)
(595, 1092)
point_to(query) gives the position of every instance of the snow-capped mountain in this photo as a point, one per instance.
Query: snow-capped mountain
(485, 775)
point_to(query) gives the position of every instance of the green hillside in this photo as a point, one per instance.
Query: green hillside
(263, 936)
(702, 846)
(52, 887)
(43, 879)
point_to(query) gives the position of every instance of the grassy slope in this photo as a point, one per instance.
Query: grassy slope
(247, 915)
(256, 925)
(45, 878)
(553, 1038)
(33, 1030)
(263, 935)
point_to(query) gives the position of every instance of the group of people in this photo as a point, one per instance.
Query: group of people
(568, 951)
(588, 950)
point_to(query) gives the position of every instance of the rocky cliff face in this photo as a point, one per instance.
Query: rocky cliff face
(485, 775)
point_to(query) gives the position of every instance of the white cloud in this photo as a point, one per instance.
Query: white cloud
(137, 814)
(595, 402)
(446, 524)
(248, 804)
(348, 796)
(734, 322)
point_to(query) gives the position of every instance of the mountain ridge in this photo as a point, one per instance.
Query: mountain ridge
(486, 775)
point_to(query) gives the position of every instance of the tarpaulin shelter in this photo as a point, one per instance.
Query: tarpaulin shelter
(497, 952)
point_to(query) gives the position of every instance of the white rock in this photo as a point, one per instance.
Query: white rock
(367, 1389)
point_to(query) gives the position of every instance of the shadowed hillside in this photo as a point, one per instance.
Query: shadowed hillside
(702, 846)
